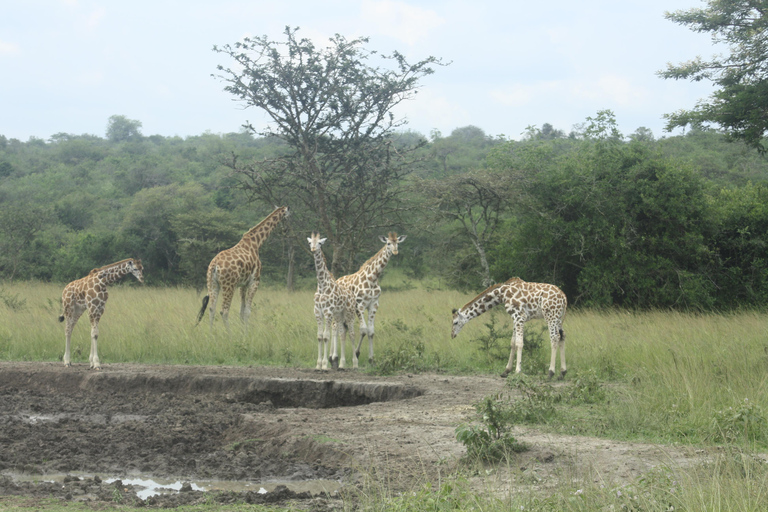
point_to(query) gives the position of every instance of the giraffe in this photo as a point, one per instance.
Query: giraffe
(523, 301)
(90, 293)
(239, 266)
(364, 285)
(335, 309)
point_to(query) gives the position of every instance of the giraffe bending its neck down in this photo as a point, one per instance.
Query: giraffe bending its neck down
(239, 266)
(523, 301)
(90, 293)
(335, 309)
(364, 285)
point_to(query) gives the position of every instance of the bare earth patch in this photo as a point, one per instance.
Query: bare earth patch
(276, 428)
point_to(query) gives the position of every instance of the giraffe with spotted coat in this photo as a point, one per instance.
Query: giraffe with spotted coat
(90, 294)
(238, 266)
(523, 301)
(364, 285)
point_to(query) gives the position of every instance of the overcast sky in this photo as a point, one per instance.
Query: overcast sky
(68, 65)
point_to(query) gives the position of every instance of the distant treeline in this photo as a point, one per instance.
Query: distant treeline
(614, 220)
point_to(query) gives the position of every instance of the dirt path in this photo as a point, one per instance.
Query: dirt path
(258, 426)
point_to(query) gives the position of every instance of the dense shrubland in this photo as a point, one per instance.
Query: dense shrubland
(614, 220)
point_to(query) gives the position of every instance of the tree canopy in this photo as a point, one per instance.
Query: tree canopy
(740, 103)
(335, 112)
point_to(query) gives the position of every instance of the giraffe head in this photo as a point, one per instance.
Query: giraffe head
(315, 242)
(137, 269)
(459, 319)
(391, 241)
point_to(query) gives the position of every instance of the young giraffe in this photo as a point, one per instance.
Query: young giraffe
(523, 301)
(90, 293)
(239, 266)
(335, 309)
(364, 285)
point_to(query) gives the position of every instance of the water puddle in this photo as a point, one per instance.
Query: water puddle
(146, 487)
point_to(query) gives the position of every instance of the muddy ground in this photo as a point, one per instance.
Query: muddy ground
(306, 437)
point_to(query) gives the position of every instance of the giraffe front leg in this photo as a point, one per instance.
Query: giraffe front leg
(334, 355)
(363, 330)
(94, 357)
(516, 348)
(371, 319)
(324, 339)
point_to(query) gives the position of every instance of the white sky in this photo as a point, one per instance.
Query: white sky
(67, 65)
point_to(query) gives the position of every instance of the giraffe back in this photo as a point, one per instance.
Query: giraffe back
(534, 300)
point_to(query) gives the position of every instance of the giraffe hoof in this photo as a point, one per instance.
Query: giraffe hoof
(551, 374)
(504, 374)
(562, 374)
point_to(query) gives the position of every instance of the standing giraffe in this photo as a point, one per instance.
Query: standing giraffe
(239, 266)
(335, 309)
(90, 293)
(364, 285)
(523, 301)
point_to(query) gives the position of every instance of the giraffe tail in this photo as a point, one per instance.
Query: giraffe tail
(202, 310)
(562, 335)
(61, 318)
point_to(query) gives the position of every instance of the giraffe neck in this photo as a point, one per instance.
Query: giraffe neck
(324, 276)
(255, 236)
(112, 273)
(375, 265)
(482, 303)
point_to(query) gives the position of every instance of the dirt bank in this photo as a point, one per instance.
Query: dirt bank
(269, 429)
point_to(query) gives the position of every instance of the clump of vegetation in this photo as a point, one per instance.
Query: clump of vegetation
(407, 355)
(12, 301)
(495, 343)
(746, 422)
(490, 439)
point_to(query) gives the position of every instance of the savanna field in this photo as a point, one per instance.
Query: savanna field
(671, 378)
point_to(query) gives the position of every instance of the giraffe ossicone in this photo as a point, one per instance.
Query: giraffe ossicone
(90, 294)
(364, 285)
(238, 267)
(523, 301)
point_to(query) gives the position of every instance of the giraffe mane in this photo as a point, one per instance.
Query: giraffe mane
(105, 267)
(490, 289)
(250, 232)
(369, 261)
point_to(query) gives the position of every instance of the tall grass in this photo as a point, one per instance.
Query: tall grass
(699, 379)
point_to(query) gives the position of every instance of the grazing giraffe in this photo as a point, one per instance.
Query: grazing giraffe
(239, 266)
(364, 285)
(523, 301)
(90, 293)
(335, 309)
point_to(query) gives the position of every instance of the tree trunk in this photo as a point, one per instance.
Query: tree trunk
(289, 284)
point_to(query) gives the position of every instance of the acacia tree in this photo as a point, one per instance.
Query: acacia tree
(740, 105)
(476, 202)
(342, 171)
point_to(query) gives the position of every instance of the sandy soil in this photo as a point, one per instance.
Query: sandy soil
(276, 428)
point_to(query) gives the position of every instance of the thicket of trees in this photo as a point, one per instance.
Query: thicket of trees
(614, 220)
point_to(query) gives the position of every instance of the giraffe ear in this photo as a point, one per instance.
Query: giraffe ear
(455, 311)
(401, 238)
(383, 239)
(309, 240)
(322, 241)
